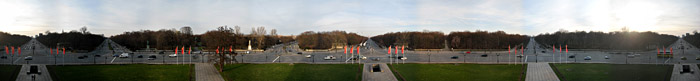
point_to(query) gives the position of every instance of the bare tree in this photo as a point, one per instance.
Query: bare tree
(273, 32)
(83, 30)
(238, 30)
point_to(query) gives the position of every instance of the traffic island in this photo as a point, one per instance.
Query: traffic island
(128, 72)
(459, 72)
(613, 72)
(292, 72)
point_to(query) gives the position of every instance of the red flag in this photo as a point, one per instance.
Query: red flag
(397, 50)
(554, 49)
(567, 48)
(664, 50)
(183, 50)
(346, 49)
(176, 49)
(50, 51)
(19, 50)
(671, 50)
(402, 46)
(217, 49)
(389, 52)
(358, 49)
(352, 48)
(190, 51)
(13, 50)
(64, 51)
(230, 48)
(508, 49)
(516, 50)
(58, 51)
(522, 49)
(560, 48)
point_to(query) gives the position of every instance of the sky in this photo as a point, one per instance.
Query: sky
(365, 17)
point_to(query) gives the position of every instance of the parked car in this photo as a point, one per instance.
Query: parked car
(606, 57)
(572, 56)
(28, 58)
(152, 57)
(587, 58)
(140, 56)
(299, 53)
(484, 55)
(329, 57)
(308, 56)
(454, 57)
(3, 57)
(98, 55)
(172, 55)
(124, 55)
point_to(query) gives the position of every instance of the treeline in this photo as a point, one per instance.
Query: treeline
(164, 39)
(326, 40)
(13, 39)
(414, 40)
(613, 40)
(693, 39)
(73, 40)
(224, 36)
(484, 40)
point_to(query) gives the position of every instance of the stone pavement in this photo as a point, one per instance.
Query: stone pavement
(677, 76)
(385, 75)
(540, 72)
(44, 76)
(206, 72)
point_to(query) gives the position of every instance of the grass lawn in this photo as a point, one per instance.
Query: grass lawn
(295, 72)
(129, 72)
(459, 72)
(9, 72)
(614, 72)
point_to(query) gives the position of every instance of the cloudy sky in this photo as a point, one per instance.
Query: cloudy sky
(366, 17)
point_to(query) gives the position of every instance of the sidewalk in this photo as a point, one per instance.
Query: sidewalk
(540, 72)
(207, 72)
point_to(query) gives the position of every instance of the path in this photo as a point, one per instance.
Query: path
(677, 76)
(540, 72)
(207, 72)
(44, 76)
(385, 75)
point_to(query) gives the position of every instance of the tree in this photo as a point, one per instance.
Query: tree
(84, 30)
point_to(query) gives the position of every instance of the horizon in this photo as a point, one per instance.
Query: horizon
(366, 18)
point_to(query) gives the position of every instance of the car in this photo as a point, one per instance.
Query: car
(683, 58)
(172, 55)
(115, 55)
(454, 57)
(572, 56)
(140, 56)
(152, 57)
(329, 57)
(124, 55)
(403, 58)
(686, 69)
(98, 55)
(697, 58)
(4, 57)
(520, 56)
(28, 58)
(376, 59)
(161, 52)
(606, 57)
(299, 53)
(587, 58)
(543, 51)
(484, 55)
(308, 56)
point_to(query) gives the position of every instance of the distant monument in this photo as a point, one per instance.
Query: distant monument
(249, 47)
